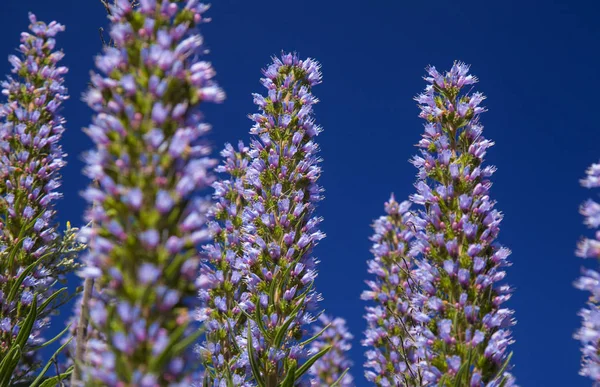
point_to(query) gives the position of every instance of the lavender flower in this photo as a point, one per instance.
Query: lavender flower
(392, 358)
(258, 282)
(31, 249)
(589, 333)
(461, 270)
(333, 367)
(150, 163)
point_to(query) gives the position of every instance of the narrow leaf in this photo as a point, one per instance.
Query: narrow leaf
(50, 299)
(337, 382)
(308, 341)
(52, 340)
(25, 330)
(290, 378)
(8, 365)
(252, 358)
(283, 329)
(50, 362)
(54, 381)
(19, 281)
(306, 366)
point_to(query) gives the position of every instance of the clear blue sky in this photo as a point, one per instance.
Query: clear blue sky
(538, 64)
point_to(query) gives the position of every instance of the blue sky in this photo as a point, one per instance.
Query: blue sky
(537, 63)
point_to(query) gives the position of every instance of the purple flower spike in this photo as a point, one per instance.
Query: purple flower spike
(151, 163)
(31, 159)
(460, 263)
(392, 322)
(271, 188)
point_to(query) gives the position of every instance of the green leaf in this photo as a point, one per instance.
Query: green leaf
(259, 322)
(52, 340)
(232, 340)
(252, 358)
(506, 362)
(308, 341)
(25, 330)
(337, 382)
(183, 344)
(283, 329)
(290, 378)
(50, 299)
(40, 377)
(54, 381)
(307, 364)
(8, 365)
(19, 281)
(463, 369)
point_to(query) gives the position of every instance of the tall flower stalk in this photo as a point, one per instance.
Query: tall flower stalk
(589, 333)
(392, 325)
(147, 219)
(222, 278)
(462, 265)
(34, 257)
(258, 281)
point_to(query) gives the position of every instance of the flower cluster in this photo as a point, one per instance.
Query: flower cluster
(589, 333)
(392, 330)
(258, 283)
(148, 167)
(33, 255)
(333, 367)
(461, 267)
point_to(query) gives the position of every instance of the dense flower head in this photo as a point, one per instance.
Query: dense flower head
(391, 332)
(461, 268)
(334, 366)
(258, 282)
(148, 167)
(589, 333)
(31, 158)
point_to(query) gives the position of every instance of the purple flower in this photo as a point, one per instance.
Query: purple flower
(148, 273)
